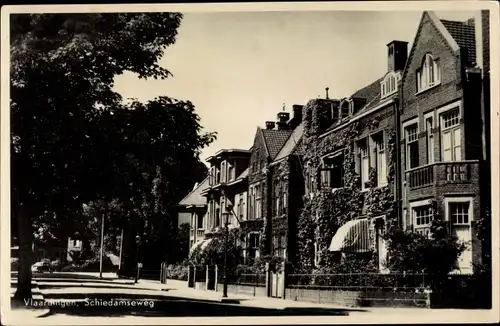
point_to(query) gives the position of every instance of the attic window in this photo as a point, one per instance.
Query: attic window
(429, 74)
(389, 85)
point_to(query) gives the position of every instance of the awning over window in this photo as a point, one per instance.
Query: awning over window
(352, 237)
(196, 246)
(205, 243)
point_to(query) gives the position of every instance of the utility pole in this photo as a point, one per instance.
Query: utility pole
(102, 241)
(121, 249)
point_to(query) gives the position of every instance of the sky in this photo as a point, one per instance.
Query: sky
(240, 68)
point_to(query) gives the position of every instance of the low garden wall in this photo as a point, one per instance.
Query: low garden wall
(359, 298)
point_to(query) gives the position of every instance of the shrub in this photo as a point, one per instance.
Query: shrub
(178, 272)
(414, 253)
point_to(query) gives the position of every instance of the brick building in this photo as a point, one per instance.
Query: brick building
(274, 184)
(349, 166)
(444, 123)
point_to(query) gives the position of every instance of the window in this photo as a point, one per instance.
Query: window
(451, 136)
(389, 85)
(253, 244)
(364, 155)
(200, 221)
(430, 140)
(422, 218)
(258, 203)
(217, 217)
(230, 173)
(276, 198)
(223, 171)
(344, 110)
(279, 245)
(251, 196)
(429, 74)
(412, 146)
(381, 159)
(332, 173)
(241, 208)
(459, 213)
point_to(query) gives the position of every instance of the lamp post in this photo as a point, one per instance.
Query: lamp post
(229, 211)
(137, 241)
(226, 238)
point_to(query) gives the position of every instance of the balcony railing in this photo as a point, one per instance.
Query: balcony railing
(441, 172)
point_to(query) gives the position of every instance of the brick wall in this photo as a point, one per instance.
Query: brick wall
(359, 298)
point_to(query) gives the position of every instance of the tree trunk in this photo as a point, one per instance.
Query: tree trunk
(25, 238)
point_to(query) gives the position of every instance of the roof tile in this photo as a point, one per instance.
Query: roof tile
(464, 35)
(194, 197)
(292, 143)
(275, 139)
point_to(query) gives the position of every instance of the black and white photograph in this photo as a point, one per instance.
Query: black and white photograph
(250, 163)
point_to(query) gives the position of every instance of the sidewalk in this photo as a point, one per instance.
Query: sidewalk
(179, 288)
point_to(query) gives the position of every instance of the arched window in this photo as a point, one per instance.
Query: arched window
(389, 85)
(429, 74)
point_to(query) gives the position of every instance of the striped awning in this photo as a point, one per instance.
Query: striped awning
(196, 246)
(205, 243)
(353, 236)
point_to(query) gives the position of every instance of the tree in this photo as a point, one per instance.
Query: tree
(62, 71)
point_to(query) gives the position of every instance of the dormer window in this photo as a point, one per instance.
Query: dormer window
(429, 74)
(389, 85)
(344, 109)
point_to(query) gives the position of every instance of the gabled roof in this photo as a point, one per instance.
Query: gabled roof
(274, 140)
(194, 198)
(292, 143)
(442, 29)
(464, 34)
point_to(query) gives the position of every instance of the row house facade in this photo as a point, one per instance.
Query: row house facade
(407, 148)
(417, 137)
(226, 193)
(275, 184)
(349, 165)
(444, 123)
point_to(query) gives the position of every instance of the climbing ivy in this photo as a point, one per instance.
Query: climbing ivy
(327, 210)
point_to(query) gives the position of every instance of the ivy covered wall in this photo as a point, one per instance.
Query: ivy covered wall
(326, 210)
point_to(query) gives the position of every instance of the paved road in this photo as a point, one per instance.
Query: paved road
(70, 296)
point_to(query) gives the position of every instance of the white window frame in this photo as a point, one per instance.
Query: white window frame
(458, 199)
(389, 85)
(429, 73)
(258, 202)
(416, 205)
(404, 128)
(380, 150)
(364, 161)
(440, 113)
(430, 136)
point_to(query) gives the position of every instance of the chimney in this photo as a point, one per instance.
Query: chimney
(283, 118)
(397, 55)
(297, 113)
(482, 31)
(269, 125)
